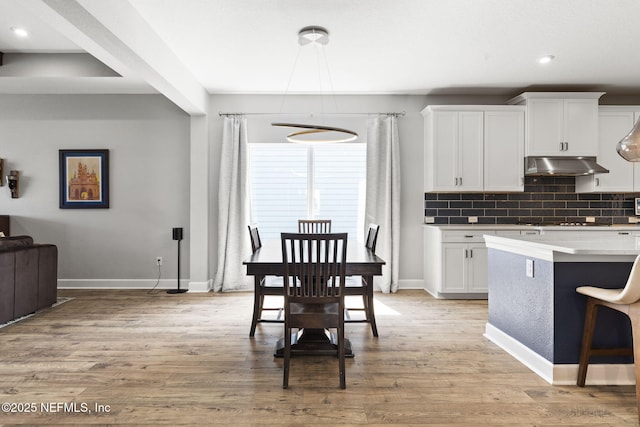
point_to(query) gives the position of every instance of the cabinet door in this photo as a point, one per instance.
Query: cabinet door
(453, 267)
(612, 127)
(477, 271)
(444, 165)
(544, 127)
(504, 151)
(580, 127)
(470, 155)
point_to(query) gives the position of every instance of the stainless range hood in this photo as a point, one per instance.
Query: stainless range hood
(562, 166)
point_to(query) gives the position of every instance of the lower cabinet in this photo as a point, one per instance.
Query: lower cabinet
(455, 262)
(464, 268)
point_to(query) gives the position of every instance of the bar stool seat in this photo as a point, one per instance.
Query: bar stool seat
(625, 300)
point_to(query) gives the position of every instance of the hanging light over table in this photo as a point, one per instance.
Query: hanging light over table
(310, 133)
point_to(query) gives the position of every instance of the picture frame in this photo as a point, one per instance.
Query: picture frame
(637, 206)
(84, 179)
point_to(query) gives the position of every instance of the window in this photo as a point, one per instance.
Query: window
(296, 181)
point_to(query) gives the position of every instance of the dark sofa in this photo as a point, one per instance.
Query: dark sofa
(28, 276)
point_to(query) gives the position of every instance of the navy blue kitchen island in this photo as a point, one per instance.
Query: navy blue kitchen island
(536, 315)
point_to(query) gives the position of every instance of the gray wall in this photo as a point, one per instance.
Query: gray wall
(148, 140)
(411, 130)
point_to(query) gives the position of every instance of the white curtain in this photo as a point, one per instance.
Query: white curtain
(233, 208)
(383, 195)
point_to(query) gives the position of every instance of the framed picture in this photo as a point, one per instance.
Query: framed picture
(84, 179)
(637, 205)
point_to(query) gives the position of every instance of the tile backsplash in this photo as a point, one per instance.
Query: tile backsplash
(544, 200)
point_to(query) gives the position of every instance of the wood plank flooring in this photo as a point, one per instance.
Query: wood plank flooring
(158, 359)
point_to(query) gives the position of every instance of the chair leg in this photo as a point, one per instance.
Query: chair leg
(587, 337)
(634, 316)
(257, 305)
(371, 317)
(287, 356)
(341, 363)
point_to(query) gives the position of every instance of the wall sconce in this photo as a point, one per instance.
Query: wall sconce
(1, 172)
(13, 183)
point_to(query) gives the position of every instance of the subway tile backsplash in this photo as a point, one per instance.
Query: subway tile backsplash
(544, 200)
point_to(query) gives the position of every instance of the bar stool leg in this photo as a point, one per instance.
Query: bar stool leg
(587, 337)
(634, 316)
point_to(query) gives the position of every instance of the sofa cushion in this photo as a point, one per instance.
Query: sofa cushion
(16, 241)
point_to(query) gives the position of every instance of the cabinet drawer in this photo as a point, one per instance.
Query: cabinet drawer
(464, 236)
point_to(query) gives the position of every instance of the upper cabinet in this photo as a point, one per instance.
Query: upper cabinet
(453, 150)
(614, 123)
(504, 150)
(474, 148)
(560, 123)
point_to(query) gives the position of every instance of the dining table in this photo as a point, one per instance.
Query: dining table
(361, 261)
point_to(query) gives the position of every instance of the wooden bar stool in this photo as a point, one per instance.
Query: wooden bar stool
(625, 300)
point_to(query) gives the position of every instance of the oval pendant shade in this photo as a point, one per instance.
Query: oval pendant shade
(629, 146)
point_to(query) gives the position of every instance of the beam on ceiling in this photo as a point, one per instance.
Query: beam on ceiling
(116, 34)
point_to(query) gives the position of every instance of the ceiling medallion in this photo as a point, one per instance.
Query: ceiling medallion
(312, 133)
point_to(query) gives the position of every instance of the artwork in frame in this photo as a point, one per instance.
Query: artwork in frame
(84, 179)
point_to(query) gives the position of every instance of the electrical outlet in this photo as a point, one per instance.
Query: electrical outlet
(159, 260)
(529, 268)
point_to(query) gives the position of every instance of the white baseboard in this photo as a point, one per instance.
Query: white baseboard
(560, 374)
(411, 284)
(119, 283)
(201, 286)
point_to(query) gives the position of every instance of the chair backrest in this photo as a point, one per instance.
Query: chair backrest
(255, 238)
(314, 265)
(314, 226)
(372, 237)
(631, 291)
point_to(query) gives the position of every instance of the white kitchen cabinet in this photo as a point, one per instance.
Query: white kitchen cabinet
(560, 123)
(613, 125)
(504, 150)
(464, 268)
(453, 150)
(455, 262)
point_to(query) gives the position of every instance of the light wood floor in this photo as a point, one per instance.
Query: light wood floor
(187, 359)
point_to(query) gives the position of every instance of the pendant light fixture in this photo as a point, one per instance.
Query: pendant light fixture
(312, 133)
(629, 146)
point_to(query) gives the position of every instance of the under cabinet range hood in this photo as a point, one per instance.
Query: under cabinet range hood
(562, 166)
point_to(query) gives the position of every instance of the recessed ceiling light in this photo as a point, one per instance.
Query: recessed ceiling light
(20, 32)
(546, 59)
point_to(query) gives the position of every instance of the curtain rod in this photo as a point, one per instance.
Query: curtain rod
(396, 114)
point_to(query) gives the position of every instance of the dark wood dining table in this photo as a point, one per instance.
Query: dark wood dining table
(361, 261)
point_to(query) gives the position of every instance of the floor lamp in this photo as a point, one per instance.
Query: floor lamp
(177, 235)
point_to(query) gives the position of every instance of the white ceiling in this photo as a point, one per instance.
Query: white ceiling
(184, 48)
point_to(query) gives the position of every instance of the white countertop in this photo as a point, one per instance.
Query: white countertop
(569, 250)
(466, 227)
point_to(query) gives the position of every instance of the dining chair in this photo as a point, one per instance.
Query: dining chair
(314, 273)
(314, 226)
(625, 300)
(268, 285)
(358, 285)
